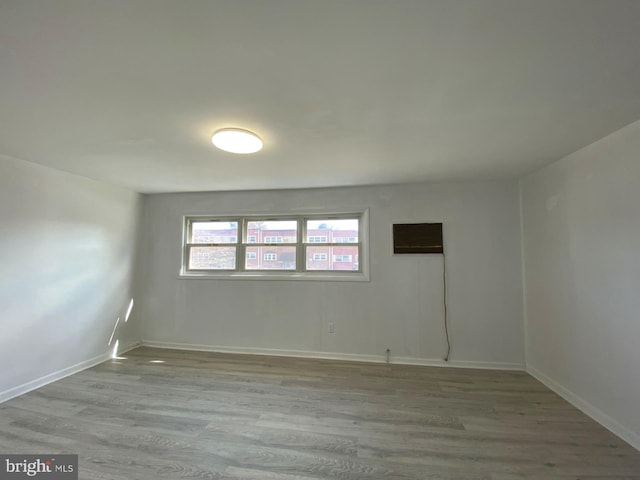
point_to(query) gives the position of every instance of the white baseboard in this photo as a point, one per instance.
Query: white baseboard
(60, 374)
(478, 364)
(353, 357)
(581, 404)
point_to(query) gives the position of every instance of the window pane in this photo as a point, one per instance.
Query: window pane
(272, 231)
(270, 258)
(212, 258)
(332, 258)
(214, 232)
(341, 230)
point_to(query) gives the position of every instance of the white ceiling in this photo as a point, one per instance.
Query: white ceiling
(346, 92)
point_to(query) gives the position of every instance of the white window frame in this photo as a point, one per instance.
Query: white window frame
(345, 258)
(301, 273)
(251, 256)
(270, 257)
(320, 257)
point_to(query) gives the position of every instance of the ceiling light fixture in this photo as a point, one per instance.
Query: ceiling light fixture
(237, 140)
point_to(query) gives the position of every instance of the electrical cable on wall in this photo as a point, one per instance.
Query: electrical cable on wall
(444, 302)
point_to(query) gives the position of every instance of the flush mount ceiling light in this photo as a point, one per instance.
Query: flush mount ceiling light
(236, 140)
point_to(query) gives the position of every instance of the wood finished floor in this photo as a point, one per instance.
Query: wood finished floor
(244, 417)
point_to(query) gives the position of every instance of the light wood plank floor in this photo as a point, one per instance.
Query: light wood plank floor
(222, 416)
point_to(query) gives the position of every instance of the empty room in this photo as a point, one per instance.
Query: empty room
(320, 239)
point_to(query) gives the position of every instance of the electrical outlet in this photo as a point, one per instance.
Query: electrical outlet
(332, 327)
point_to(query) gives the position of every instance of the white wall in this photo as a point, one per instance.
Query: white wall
(66, 262)
(581, 224)
(400, 309)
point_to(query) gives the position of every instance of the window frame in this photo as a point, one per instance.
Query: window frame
(240, 272)
(187, 246)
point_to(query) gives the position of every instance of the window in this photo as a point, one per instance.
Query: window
(341, 252)
(295, 247)
(208, 247)
(318, 239)
(281, 231)
(345, 239)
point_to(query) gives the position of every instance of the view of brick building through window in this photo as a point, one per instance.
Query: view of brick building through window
(272, 245)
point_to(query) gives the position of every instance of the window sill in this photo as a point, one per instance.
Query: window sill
(296, 276)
